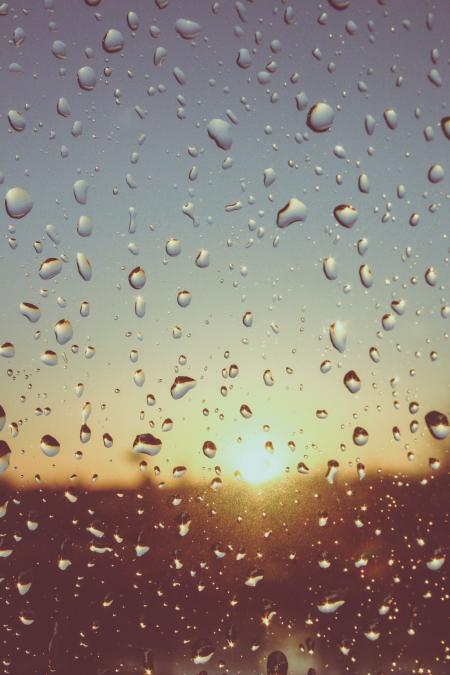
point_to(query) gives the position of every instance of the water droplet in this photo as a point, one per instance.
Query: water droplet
(391, 118)
(436, 173)
(445, 126)
(63, 107)
(137, 278)
(244, 59)
(277, 663)
(360, 436)
(329, 605)
(132, 20)
(388, 321)
(339, 4)
(202, 258)
(209, 449)
(352, 382)
(30, 311)
(245, 411)
(330, 268)
(181, 386)
(320, 117)
(184, 298)
(50, 268)
(84, 226)
(147, 444)
(50, 446)
(202, 652)
(173, 247)
(112, 42)
(346, 215)
(84, 267)
(221, 133)
(187, 29)
(87, 79)
(59, 49)
(338, 335)
(63, 331)
(438, 425)
(431, 276)
(268, 378)
(292, 212)
(254, 577)
(366, 276)
(247, 319)
(16, 120)
(80, 191)
(18, 202)
(5, 454)
(49, 358)
(139, 377)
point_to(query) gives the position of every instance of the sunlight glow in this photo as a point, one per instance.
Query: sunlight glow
(257, 466)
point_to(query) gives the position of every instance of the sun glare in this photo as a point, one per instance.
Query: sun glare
(257, 466)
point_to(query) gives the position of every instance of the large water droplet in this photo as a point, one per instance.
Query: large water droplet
(137, 278)
(18, 202)
(181, 386)
(320, 117)
(346, 215)
(16, 120)
(87, 79)
(63, 331)
(50, 268)
(147, 444)
(113, 41)
(352, 382)
(438, 425)
(50, 446)
(221, 133)
(330, 268)
(292, 212)
(30, 311)
(187, 29)
(338, 335)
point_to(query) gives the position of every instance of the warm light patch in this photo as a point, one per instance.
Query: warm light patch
(257, 466)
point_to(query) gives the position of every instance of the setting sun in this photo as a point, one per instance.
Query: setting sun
(256, 466)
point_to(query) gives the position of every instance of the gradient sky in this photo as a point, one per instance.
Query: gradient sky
(384, 64)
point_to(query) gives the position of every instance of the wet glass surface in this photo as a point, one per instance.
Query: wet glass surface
(224, 347)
